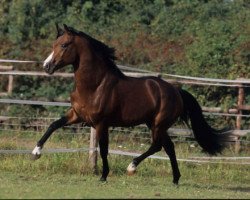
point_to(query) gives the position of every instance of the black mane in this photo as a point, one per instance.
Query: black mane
(106, 52)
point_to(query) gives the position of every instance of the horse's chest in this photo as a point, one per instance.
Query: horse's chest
(85, 108)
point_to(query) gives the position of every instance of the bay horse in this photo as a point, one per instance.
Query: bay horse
(104, 97)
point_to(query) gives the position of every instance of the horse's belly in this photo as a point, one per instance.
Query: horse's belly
(130, 117)
(125, 123)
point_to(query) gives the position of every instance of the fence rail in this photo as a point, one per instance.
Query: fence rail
(186, 80)
(206, 110)
(236, 132)
(241, 83)
(197, 160)
(176, 79)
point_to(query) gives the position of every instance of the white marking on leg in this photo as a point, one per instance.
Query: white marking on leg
(48, 59)
(37, 151)
(131, 168)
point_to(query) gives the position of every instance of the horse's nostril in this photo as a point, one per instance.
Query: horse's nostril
(46, 67)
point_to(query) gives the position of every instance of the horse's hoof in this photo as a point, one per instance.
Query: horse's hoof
(131, 173)
(36, 153)
(175, 182)
(35, 156)
(131, 169)
(102, 179)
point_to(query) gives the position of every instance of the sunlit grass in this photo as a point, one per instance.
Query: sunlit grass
(68, 175)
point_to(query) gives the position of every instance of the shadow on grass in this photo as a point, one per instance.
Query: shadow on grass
(200, 186)
(240, 189)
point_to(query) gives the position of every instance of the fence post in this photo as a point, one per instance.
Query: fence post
(10, 85)
(240, 102)
(93, 150)
(10, 79)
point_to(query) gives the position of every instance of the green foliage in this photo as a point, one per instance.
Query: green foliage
(210, 34)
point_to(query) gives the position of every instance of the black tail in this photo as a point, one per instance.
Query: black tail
(208, 138)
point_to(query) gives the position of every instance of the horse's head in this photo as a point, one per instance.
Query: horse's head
(63, 53)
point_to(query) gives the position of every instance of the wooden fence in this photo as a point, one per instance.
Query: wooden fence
(237, 111)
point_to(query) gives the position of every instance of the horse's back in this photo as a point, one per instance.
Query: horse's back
(141, 100)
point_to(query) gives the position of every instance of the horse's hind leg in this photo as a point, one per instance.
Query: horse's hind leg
(155, 147)
(69, 118)
(168, 145)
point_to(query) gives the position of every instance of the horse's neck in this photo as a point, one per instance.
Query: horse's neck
(89, 77)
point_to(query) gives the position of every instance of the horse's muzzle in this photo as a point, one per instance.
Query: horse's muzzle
(49, 68)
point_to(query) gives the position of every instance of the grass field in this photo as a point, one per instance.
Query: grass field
(68, 175)
(32, 185)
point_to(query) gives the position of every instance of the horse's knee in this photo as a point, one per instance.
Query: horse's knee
(158, 147)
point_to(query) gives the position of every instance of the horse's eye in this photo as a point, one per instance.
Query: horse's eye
(64, 46)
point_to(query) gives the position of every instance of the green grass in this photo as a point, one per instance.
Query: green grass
(58, 185)
(68, 175)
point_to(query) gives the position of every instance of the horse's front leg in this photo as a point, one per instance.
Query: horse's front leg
(70, 118)
(103, 137)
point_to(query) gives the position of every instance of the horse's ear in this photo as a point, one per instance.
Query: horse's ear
(59, 30)
(66, 29)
